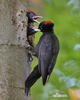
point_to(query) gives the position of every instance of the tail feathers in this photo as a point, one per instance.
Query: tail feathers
(27, 91)
(32, 78)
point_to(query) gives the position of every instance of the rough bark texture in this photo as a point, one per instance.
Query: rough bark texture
(13, 56)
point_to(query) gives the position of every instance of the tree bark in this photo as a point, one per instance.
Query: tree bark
(13, 55)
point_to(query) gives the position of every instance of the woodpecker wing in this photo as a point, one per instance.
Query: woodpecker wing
(55, 49)
(45, 57)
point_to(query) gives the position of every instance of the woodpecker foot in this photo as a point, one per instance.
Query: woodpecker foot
(29, 47)
(30, 57)
(34, 53)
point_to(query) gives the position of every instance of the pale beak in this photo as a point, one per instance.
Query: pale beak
(36, 17)
(36, 29)
(37, 21)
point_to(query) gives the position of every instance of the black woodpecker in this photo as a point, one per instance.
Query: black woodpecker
(47, 51)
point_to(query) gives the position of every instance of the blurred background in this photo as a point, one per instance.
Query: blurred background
(65, 14)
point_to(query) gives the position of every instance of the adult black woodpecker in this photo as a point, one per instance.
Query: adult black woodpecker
(32, 17)
(47, 51)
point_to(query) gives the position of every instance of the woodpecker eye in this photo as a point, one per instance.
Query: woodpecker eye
(40, 27)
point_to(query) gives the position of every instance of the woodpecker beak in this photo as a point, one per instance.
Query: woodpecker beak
(36, 17)
(36, 29)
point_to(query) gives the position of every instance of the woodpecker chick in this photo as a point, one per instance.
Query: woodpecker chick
(47, 51)
(32, 17)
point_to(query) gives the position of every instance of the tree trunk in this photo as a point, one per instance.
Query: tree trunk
(13, 56)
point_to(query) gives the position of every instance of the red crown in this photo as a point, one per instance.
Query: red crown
(48, 22)
(32, 12)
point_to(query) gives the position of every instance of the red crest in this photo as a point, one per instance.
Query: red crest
(32, 12)
(48, 22)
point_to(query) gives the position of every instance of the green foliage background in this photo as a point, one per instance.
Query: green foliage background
(66, 16)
